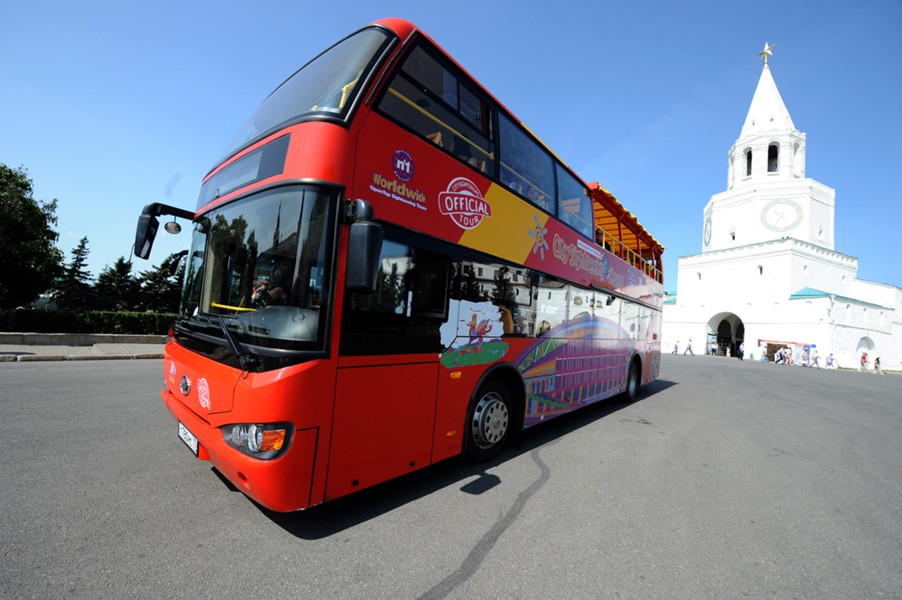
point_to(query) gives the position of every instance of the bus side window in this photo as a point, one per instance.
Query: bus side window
(403, 314)
(526, 168)
(429, 281)
(507, 287)
(430, 99)
(551, 304)
(574, 205)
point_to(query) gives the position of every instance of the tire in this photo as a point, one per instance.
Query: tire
(633, 383)
(489, 420)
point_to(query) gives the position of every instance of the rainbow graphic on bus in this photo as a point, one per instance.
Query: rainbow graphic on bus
(576, 363)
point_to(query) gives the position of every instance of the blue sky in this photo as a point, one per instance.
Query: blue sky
(112, 105)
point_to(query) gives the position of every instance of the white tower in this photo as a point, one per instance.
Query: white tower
(768, 196)
(768, 275)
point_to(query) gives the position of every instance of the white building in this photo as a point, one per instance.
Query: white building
(768, 274)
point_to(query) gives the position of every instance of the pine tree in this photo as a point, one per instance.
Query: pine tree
(74, 290)
(160, 288)
(116, 289)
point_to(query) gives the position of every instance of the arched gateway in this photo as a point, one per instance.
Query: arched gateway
(725, 333)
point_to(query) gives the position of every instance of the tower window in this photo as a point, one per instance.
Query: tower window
(773, 155)
(760, 270)
(748, 163)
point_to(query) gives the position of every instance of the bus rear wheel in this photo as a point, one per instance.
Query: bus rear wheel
(633, 383)
(488, 422)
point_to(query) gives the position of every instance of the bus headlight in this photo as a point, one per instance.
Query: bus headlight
(259, 440)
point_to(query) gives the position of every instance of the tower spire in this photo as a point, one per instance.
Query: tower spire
(768, 51)
(767, 110)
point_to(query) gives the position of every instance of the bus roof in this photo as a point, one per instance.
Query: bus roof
(613, 217)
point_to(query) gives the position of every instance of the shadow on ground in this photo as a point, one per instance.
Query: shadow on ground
(337, 515)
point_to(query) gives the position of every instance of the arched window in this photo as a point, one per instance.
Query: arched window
(773, 155)
(748, 162)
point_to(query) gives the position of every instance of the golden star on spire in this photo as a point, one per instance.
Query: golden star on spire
(768, 51)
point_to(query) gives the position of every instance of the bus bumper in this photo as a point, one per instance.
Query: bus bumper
(282, 484)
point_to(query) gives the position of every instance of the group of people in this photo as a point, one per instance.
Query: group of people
(807, 357)
(688, 350)
(784, 355)
(863, 364)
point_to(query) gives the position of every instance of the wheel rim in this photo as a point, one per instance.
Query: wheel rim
(490, 420)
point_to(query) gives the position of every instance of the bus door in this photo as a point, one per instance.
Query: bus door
(385, 396)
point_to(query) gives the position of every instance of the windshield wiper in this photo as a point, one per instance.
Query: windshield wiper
(245, 358)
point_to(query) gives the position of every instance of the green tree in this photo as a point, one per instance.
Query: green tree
(115, 288)
(30, 260)
(74, 290)
(160, 288)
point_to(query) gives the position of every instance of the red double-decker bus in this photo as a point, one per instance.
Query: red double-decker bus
(388, 269)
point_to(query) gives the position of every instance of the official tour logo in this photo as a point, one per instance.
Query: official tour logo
(463, 202)
(402, 165)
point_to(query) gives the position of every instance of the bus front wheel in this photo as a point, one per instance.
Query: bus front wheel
(488, 422)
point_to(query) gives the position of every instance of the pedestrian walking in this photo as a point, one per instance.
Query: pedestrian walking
(688, 349)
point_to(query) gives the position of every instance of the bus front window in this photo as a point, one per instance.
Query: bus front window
(262, 264)
(324, 86)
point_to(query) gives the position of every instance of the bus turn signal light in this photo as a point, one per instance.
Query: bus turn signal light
(259, 440)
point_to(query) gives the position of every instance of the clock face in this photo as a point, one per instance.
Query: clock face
(781, 215)
(707, 231)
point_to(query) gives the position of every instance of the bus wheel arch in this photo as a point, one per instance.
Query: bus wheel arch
(494, 415)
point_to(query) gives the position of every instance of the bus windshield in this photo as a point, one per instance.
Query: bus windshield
(262, 264)
(327, 85)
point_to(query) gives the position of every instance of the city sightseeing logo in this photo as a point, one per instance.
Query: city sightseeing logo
(540, 235)
(463, 202)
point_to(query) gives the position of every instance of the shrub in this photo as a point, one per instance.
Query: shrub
(97, 321)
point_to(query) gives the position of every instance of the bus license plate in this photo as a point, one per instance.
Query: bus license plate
(188, 437)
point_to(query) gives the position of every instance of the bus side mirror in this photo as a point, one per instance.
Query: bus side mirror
(148, 225)
(145, 234)
(364, 250)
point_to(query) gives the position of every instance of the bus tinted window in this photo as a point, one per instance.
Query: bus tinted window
(403, 312)
(507, 287)
(325, 85)
(574, 205)
(432, 101)
(526, 167)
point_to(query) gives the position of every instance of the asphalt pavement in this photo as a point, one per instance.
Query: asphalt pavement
(725, 480)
